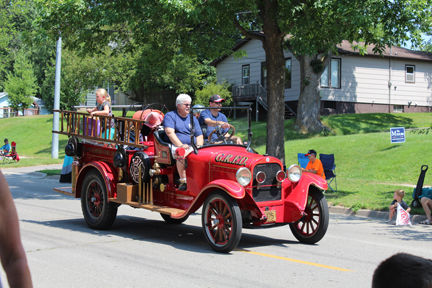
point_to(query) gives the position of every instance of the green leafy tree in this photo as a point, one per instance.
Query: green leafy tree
(145, 55)
(203, 95)
(78, 75)
(21, 83)
(7, 34)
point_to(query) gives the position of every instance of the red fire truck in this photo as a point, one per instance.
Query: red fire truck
(235, 186)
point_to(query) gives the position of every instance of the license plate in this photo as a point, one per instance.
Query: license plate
(271, 215)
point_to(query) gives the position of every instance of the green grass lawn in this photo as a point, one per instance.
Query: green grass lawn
(368, 167)
(33, 137)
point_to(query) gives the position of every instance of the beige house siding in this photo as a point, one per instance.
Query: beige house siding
(230, 69)
(364, 79)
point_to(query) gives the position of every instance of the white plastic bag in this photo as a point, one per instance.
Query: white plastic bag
(402, 217)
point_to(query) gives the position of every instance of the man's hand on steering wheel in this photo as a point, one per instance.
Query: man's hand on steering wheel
(222, 136)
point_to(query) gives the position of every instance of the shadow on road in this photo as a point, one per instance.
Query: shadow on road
(416, 232)
(183, 236)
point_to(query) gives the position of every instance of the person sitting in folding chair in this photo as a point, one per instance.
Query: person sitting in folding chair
(5, 149)
(314, 166)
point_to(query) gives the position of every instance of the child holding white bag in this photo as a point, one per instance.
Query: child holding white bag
(398, 200)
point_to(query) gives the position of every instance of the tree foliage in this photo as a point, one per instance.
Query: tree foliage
(78, 74)
(158, 37)
(203, 95)
(21, 83)
(145, 52)
(168, 27)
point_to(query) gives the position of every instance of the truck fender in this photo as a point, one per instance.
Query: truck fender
(232, 188)
(106, 171)
(296, 194)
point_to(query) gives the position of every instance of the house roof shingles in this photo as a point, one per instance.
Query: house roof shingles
(346, 48)
(395, 52)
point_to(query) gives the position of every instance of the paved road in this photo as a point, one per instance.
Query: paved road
(143, 251)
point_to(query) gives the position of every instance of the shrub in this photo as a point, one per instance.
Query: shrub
(202, 96)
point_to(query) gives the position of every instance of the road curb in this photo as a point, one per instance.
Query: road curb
(364, 213)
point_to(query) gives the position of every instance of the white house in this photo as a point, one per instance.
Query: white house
(5, 110)
(399, 80)
(38, 107)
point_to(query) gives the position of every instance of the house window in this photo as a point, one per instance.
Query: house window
(288, 73)
(263, 74)
(245, 74)
(398, 108)
(409, 73)
(331, 78)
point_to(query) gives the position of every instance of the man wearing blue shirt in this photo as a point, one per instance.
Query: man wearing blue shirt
(213, 117)
(177, 125)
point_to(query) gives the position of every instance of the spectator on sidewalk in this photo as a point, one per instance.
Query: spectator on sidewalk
(398, 196)
(314, 165)
(5, 149)
(12, 254)
(426, 202)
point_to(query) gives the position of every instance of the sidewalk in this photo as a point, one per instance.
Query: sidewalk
(30, 169)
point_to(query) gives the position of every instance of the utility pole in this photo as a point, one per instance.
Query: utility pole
(55, 141)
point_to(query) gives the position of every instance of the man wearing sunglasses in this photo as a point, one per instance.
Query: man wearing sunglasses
(177, 125)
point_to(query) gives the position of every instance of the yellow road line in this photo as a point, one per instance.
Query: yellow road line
(295, 260)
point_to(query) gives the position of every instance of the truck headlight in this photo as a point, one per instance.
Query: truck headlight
(243, 176)
(294, 173)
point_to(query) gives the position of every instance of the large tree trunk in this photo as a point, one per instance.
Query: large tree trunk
(272, 45)
(308, 109)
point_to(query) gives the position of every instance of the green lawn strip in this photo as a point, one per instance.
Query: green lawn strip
(51, 172)
(33, 138)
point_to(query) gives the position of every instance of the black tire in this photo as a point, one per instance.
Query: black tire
(222, 222)
(98, 212)
(312, 227)
(71, 148)
(174, 221)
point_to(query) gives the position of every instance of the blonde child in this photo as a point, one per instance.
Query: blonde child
(398, 199)
(103, 108)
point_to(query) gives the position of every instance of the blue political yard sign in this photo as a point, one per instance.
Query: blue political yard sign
(397, 135)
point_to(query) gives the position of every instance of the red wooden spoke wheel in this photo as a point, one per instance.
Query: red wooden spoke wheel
(313, 225)
(222, 222)
(98, 212)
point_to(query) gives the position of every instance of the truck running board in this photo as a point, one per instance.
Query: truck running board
(65, 190)
(173, 212)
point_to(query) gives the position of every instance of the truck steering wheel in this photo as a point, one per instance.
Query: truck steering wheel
(225, 137)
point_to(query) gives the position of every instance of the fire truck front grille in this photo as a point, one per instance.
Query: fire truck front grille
(269, 190)
(266, 193)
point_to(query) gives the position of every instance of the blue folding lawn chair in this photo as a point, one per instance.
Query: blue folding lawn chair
(303, 160)
(329, 166)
